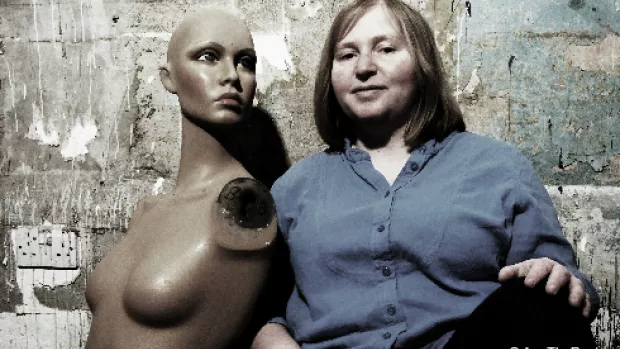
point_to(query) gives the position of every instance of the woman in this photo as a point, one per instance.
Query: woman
(410, 232)
(189, 271)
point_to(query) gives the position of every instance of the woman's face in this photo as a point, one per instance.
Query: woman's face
(213, 70)
(373, 70)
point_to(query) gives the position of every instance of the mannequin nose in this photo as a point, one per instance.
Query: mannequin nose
(228, 72)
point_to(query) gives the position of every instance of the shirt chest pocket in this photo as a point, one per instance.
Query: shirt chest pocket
(444, 230)
(474, 242)
(335, 241)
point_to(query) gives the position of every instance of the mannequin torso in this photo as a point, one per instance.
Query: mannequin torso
(184, 269)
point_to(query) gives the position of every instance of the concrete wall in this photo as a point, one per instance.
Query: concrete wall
(87, 129)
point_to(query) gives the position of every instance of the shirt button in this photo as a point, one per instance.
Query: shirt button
(386, 271)
(414, 166)
(391, 310)
(387, 335)
(387, 193)
(381, 228)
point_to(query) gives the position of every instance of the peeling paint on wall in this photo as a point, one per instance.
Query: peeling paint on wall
(157, 187)
(604, 56)
(80, 135)
(474, 81)
(275, 61)
(42, 130)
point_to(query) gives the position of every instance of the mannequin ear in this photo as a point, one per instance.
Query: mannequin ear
(166, 78)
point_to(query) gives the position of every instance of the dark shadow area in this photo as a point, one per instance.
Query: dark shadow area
(260, 148)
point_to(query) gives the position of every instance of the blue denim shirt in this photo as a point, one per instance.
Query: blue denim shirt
(380, 266)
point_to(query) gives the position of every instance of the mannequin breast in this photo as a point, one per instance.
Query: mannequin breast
(196, 260)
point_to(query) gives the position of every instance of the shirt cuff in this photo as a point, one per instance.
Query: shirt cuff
(280, 321)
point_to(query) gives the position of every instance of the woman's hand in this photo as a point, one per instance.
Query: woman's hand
(537, 269)
(274, 336)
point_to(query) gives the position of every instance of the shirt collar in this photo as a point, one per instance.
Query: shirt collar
(428, 149)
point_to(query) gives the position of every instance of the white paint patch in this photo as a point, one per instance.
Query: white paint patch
(62, 329)
(274, 59)
(579, 190)
(302, 9)
(617, 5)
(600, 57)
(158, 185)
(582, 243)
(79, 137)
(46, 134)
(150, 79)
(474, 81)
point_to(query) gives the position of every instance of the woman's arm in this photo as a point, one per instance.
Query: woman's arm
(274, 336)
(539, 250)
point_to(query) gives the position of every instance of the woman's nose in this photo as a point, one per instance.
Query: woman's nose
(365, 66)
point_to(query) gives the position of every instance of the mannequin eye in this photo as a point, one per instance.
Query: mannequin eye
(248, 62)
(208, 56)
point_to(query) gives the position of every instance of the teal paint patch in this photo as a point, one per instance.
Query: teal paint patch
(564, 119)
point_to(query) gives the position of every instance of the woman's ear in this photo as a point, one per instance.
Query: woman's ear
(166, 78)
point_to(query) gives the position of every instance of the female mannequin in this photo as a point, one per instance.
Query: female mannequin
(190, 269)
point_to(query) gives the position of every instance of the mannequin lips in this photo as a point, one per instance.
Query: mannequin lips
(230, 99)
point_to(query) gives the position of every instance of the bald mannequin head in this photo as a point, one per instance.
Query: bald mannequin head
(194, 25)
(211, 66)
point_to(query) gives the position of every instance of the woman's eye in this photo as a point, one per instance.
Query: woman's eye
(345, 56)
(207, 56)
(387, 49)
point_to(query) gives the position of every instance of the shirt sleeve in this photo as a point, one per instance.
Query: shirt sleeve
(536, 231)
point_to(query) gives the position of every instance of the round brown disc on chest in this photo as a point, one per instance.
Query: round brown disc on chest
(248, 203)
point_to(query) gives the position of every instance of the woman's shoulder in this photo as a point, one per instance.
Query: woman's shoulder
(489, 149)
(478, 142)
(306, 170)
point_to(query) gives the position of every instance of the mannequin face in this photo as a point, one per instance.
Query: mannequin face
(211, 67)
